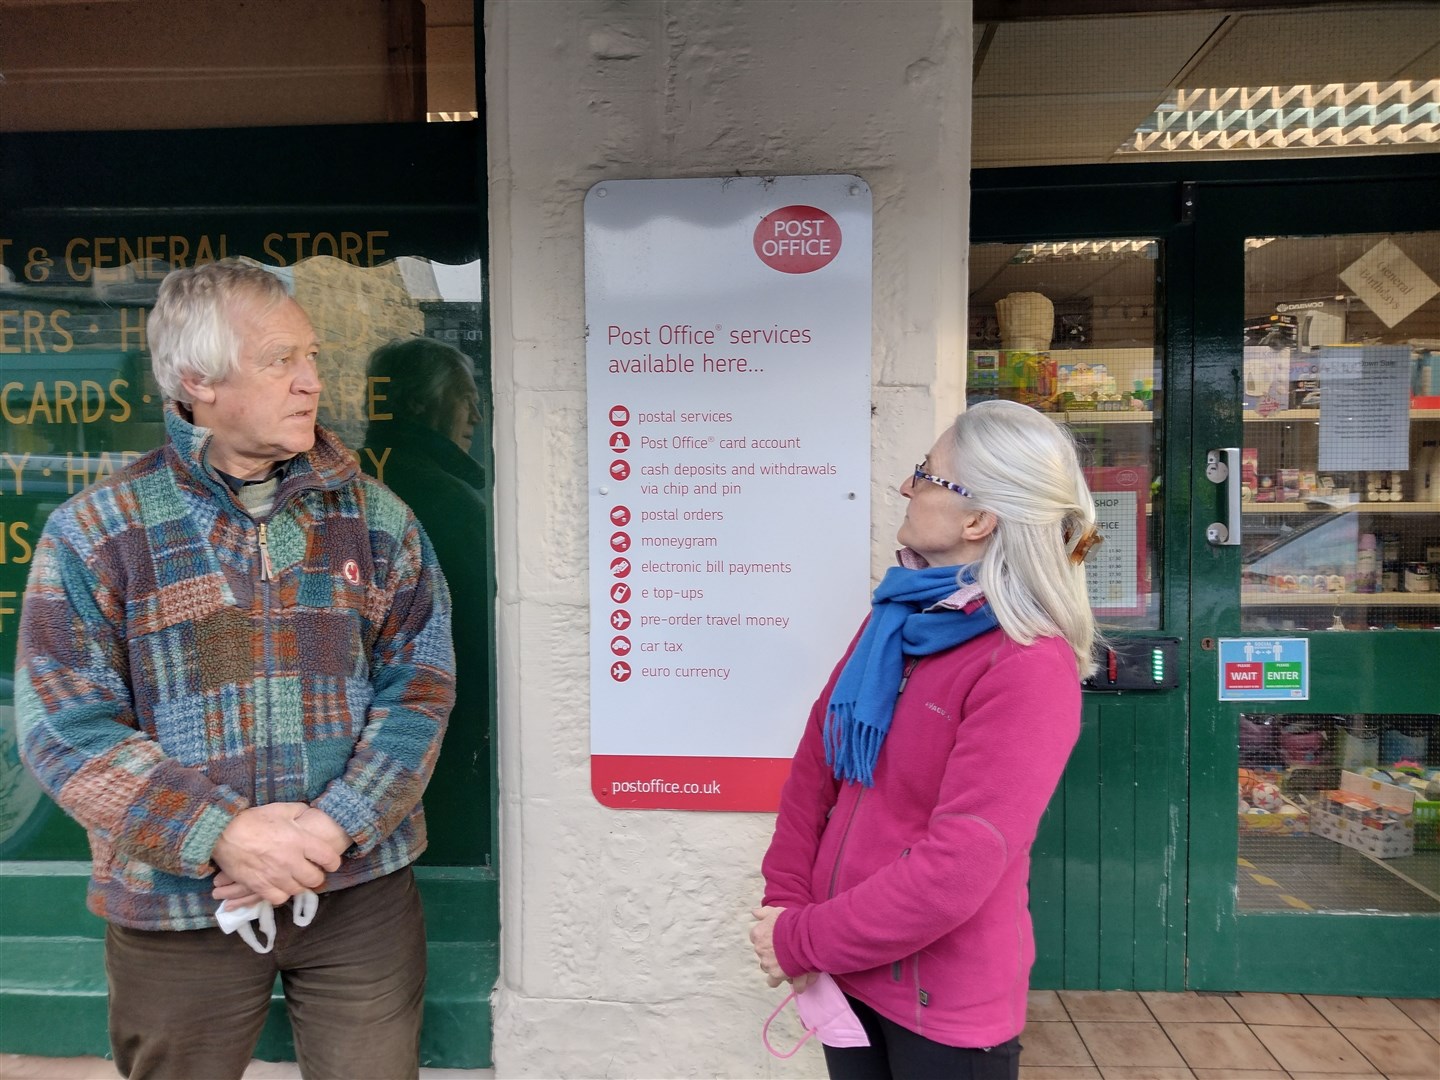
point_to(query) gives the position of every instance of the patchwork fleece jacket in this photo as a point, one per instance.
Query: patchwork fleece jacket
(180, 662)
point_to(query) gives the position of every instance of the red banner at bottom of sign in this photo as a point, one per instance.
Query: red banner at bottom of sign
(627, 782)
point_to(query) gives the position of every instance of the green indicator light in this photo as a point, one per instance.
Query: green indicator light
(1157, 665)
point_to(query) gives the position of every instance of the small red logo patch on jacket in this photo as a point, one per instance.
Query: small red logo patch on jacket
(351, 571)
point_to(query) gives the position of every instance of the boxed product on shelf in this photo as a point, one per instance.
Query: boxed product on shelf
(1416, 578)
(1014, 374)
(1265, 809)
(984, 373)
(1304, 381)
(1367, 815)
(1425, 385)
(1289, 485)
(1289, 820)
(1267, 373)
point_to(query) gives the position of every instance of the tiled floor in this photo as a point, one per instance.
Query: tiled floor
(22, 1067)
(1118, 1035)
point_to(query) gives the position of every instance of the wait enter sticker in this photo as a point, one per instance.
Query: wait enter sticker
(1264, 669)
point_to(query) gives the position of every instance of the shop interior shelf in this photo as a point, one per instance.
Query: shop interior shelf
(1341, 599)
(1117, 416)
(1343, 508)
(1313, 415)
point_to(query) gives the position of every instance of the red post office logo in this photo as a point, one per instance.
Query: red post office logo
(797, 239)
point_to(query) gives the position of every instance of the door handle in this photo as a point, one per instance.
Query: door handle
(1222, 467)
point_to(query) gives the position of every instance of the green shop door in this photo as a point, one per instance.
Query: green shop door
(1247, 357)
(1315, 532)
(1075, 310)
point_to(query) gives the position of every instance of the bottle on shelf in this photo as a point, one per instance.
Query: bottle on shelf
(1383, 486)
(1367, 576)
(1425, 473)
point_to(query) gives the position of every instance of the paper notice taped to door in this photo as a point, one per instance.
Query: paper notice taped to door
(1388, 282)
(1364, 407)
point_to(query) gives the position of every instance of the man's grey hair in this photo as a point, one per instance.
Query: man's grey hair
(192, 329)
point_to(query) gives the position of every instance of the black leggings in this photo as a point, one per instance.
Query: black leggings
(896, 1053)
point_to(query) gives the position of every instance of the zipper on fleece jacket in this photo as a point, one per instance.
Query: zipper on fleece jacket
(267, 572)
(265, 781)
(897, 969)
(845, 836)
(267, 578)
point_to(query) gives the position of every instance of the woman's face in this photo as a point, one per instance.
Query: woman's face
(940, 524)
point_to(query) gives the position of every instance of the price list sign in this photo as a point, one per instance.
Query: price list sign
(728, 369)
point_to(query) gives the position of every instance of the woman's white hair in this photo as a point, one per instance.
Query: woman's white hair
(193, 327)
(1022, 467)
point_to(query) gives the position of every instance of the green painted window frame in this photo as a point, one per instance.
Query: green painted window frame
(426, 185)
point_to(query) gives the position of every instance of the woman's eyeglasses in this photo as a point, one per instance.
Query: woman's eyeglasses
(921, 474)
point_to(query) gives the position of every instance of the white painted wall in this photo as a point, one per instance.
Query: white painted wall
(624, 947)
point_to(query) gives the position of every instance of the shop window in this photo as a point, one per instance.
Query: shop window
(1070, 328)
(79, 403)
(1339, 813)
(1340, 482)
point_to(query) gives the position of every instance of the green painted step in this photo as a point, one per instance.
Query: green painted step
(52, 969)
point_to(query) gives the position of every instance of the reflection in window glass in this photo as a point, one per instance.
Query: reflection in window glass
(406, 375)
(1070, 328)
(1341, 464)
(1339, 813)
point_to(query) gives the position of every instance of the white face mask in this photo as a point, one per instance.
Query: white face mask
(825, 1014)
(234, 920)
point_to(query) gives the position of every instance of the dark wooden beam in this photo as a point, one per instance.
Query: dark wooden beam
(405, 60)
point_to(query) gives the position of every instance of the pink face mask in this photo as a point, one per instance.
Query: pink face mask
(824, 1012)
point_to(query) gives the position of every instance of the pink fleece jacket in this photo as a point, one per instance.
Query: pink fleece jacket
(912, 893)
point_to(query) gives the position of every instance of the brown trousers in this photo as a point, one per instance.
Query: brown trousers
(191, 1003)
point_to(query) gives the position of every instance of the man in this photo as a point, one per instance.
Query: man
(235, 670)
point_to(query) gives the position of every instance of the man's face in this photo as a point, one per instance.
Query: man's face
(464, 417)
(264, 411)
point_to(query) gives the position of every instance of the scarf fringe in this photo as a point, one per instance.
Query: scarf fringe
(852, 747)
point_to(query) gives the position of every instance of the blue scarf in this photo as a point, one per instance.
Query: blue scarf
(862, 704)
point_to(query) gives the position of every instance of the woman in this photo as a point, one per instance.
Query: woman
(902, 847)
